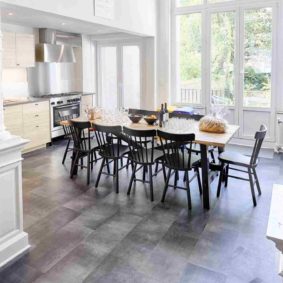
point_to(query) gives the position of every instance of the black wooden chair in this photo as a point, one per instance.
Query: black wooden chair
(248, 163)
(177, 158)
(142, 155)
(111, 149)
(195, 147)
(65, 116)
(84, 146)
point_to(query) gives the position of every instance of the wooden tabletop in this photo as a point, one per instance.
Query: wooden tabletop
(211, 139)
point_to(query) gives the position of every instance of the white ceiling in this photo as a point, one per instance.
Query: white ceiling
(37, 19)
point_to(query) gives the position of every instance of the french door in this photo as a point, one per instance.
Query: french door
(225, 57)
(119, 75)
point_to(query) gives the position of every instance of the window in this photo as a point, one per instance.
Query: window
(222, 58)
(257, 57)
(189, 58)
(184, 3)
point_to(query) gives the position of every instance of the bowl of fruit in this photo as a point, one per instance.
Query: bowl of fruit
(151, 119)
(135, 118)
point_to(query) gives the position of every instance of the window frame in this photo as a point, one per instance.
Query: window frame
(206, 9)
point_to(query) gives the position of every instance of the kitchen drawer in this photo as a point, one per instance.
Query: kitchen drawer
(35, 129)
(36, 118)
(39, 135)
(36, 107)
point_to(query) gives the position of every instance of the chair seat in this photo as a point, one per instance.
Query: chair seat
(144, 156)
(177, 162)
(113, 151)
(235, 158)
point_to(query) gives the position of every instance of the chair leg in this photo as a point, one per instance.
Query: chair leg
(199, 181)
(74, 164)
(151, 182)
(144, 173)
(82, 163)
(164, 172)
(220, 180)
(100, 172)
(176, 179)
(116, 166)
(92, 159)
(66, 151)
(257, 181)
(107, 165)
(166, 185)
(212, 156)
(156, 167)
(188, 191)
(132, 179)
(88, 167)
(226, 177)
(252, 186)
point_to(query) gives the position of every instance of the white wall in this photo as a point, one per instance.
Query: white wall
(137, 16)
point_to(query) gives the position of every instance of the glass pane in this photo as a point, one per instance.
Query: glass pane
(109, 91)
(222, 58)
(257, 57)
(189, 58)
(218, 1)
(184, 3)
(131, 76)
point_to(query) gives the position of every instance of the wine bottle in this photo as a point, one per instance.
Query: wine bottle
(166, 114)
(161, 116)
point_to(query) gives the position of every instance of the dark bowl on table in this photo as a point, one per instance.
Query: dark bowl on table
(135, 118)
(150, 120)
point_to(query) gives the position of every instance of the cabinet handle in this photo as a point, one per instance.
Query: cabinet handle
(36, 115)
(36, 104)
(37, 126)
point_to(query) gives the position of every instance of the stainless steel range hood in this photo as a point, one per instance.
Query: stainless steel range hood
(47, 51)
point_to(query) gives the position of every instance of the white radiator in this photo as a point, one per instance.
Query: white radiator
(279, 142)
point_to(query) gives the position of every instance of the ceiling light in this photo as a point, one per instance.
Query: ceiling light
(10, 14)
(63, 24)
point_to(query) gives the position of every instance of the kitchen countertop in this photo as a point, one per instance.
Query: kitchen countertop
(22, 100)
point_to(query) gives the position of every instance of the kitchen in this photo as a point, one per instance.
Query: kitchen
(136, 67)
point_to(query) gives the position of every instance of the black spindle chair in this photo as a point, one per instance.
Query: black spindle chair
(84, 146)
(177, 158)
(248, 163)
(142, 155)
(111, 149)
(65, 117)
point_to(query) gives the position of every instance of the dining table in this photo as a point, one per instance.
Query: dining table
(204, 139)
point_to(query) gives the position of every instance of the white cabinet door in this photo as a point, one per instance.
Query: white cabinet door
(25, 50)
(9, 49)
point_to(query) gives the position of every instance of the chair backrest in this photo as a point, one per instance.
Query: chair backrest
(66, 116)
(259, 138)
(195, 117)
(177, 149)
(109, 139)
(81, 135)
(141, 144)
(143, 112)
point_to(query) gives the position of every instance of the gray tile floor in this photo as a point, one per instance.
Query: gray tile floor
(83, 234)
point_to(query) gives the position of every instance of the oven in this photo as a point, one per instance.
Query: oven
(62, 104)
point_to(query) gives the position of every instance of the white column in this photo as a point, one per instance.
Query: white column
(13, 240)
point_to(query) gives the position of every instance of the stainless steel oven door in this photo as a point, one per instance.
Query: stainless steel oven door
(56, 129)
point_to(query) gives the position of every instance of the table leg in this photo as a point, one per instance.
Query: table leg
(76, 166)
(205, 176)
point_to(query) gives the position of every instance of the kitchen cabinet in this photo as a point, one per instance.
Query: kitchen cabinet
(36, 124)
(13, 119)
(86, 102)
(18, 50)
(30, 121)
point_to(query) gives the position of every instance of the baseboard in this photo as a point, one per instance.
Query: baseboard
(13, 248)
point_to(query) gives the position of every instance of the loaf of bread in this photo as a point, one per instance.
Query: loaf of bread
(213, 124)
